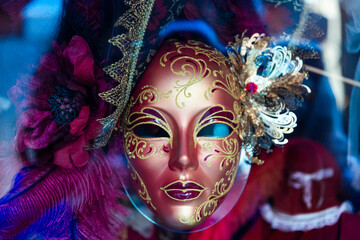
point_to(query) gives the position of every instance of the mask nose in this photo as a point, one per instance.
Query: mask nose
(184, 157)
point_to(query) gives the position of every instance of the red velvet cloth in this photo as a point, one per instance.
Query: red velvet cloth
(308, 157)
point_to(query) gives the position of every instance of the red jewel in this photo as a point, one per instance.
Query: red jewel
(118, 123)
(251, 87)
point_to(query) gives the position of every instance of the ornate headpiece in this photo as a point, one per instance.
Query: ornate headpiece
(271, 85)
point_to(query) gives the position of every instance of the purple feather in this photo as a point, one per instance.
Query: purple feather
(85, 198)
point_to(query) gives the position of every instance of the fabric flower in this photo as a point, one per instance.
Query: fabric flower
(59, 106)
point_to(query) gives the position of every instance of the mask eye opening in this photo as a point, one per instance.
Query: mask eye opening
(150, 131)
(215, 130)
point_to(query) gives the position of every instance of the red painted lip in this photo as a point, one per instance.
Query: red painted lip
(183, 191)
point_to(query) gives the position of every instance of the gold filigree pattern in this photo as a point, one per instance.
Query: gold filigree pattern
(230, 86)
(193, 69)
(149, 94)
(136, 147)
(201, 48)
(231, 155)
(229, 148)
(143, 193)
(148, 115)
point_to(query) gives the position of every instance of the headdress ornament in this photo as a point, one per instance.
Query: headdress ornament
(270, 81)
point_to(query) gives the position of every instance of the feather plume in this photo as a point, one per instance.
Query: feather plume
(80, 201)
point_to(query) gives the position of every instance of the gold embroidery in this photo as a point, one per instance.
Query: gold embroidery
(143, 193)
(230, 86)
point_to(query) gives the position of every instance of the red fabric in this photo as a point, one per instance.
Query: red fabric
(350, 226)
(307, 156)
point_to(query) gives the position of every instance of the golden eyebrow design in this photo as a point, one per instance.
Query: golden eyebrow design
(216, 114)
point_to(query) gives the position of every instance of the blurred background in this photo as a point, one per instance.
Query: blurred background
(27, 29)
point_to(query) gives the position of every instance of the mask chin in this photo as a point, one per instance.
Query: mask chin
(224, 204)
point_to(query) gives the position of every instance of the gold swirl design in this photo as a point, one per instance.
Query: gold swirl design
(143, 193)
(138, 146)
(194, 69)
(201, 48)
(148, 115)
(231, 155)
(149, 94)
(230, 86)
(229, 149)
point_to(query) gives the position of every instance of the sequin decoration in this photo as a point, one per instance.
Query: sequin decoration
(270, 79)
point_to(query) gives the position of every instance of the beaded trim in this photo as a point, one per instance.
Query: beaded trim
(122, 71)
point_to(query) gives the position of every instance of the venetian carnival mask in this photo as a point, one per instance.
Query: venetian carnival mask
(181, 138)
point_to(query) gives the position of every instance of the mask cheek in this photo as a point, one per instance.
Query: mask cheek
(220, 158)
(147, 160)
